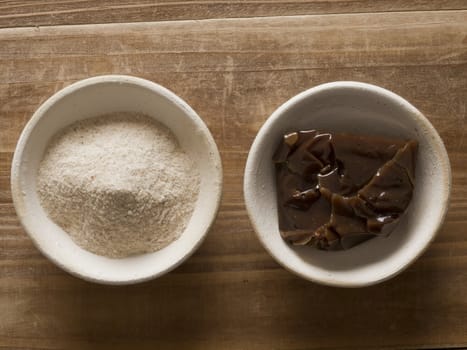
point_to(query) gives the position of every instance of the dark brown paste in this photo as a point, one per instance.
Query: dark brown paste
(335, 191)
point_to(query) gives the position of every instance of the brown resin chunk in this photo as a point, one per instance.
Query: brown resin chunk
(335, 191)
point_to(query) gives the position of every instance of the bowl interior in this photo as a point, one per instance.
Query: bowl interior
(362, 109)
(90, 98)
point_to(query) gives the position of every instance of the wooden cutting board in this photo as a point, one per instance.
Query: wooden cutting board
(231, 294)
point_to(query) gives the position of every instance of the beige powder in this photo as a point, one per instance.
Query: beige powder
(118, 184)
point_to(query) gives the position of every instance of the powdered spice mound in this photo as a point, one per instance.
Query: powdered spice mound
(118, 184)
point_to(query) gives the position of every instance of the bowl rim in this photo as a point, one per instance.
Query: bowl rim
(253, 157)
(188, 111)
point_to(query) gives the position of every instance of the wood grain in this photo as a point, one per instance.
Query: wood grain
(55, 12)
(231, 294)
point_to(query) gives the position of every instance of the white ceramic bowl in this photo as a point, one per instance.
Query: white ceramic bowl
(363, 109)
(96, 96)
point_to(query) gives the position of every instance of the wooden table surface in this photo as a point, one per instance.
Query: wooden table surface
(235, 62)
